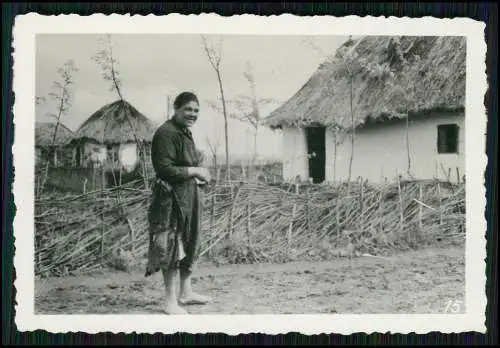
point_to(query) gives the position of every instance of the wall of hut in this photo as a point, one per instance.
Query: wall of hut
(76, 180)
(88, 153)
(59, 156)
(380, 151)
(295, 160)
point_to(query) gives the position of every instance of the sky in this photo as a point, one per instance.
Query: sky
(154, 66)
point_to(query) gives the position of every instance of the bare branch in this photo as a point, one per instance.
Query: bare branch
(219, 56)
(214, 59)
(110, 72)
(63, 96)
(109, 64)
(247, 109)
(212, 55)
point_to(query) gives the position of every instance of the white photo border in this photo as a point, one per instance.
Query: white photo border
(24, 32)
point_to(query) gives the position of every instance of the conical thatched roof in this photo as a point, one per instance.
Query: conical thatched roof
(111, 124)
(44, 134)
(429, 74)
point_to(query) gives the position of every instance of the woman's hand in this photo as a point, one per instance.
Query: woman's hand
(200, 173)
(204, 174)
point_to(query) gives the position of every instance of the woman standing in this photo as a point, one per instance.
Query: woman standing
(176, 207)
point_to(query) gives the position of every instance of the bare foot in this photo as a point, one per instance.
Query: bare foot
(193, 299)
(174, 309)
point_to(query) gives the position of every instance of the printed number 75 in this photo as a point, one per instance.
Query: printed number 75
(453, 306)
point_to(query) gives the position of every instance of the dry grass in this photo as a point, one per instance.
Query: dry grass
(253, 223)
(426, 65)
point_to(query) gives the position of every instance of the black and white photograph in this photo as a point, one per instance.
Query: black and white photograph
(272, 168)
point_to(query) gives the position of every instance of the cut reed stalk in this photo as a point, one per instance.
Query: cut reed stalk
(271, 221)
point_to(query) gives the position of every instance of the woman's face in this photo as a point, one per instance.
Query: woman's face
(188, 114)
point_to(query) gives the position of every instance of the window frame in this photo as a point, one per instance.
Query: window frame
(444, 130)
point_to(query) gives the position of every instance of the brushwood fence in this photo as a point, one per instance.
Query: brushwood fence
(251, 223)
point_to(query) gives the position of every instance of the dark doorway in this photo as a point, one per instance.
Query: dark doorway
(316, 153)
(78, 155)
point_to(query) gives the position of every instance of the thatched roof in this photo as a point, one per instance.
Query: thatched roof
(44, 134)
(114, 124)
(421, 74)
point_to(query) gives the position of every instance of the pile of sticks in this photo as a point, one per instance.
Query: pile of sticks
(252, 222)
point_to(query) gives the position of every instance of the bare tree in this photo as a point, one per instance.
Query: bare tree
(110, 72)
(214, 57)
(63, 97)
(109, 65)
(248, 109)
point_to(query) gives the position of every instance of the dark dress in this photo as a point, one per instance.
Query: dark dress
(176, 203)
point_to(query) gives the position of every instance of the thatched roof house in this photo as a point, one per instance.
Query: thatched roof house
(431, 76)
(115, 123)
(117, 132)
(390, 78)
(58, 152)
(44, 134)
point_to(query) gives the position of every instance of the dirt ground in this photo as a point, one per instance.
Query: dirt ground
(424, 281)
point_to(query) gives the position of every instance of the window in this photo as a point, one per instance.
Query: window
(447, 140)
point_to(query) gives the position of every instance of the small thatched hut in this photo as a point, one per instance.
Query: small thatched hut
(115, 135)
(403, 88)
(58, 152)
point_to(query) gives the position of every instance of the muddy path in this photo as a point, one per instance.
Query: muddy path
(421, 281)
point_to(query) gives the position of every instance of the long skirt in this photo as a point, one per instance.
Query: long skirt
(174, 227)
